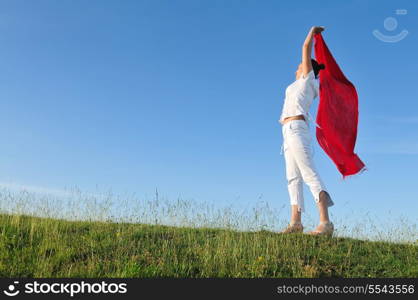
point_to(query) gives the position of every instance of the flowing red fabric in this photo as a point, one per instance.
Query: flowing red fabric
(337, 115)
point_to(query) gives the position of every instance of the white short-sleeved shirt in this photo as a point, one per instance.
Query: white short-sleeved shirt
(299, 96)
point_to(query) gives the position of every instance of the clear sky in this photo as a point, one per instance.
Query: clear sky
(184, 96)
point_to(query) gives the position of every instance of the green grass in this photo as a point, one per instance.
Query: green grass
(46, 247)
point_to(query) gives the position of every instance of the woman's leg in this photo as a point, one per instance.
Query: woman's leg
(300, 145)
(323, 206)
(294, 186)
(296, 215)
(325, 225)
(322, 198)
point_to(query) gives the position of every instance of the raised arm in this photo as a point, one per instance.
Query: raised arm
(307, 49)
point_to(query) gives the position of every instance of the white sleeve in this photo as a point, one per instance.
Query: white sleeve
(310, 75)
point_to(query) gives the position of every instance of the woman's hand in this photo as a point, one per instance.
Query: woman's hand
(317, 29)
(307, 49)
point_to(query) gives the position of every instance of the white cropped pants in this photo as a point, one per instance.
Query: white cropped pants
(300, 167)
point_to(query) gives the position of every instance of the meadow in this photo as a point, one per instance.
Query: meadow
(36, 240)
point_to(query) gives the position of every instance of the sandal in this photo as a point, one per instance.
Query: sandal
(324, 228)
(293, 228)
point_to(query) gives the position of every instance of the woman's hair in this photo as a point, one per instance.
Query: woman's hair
(316, 67)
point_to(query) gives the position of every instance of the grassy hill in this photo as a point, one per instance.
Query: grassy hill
(43, 247)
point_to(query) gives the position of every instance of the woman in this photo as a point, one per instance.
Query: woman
(297, 143)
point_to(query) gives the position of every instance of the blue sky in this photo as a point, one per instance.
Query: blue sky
(184, 96)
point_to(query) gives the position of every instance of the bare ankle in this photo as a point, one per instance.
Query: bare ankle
(325, 222)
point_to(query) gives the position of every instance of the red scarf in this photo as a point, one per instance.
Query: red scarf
(337, 115)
